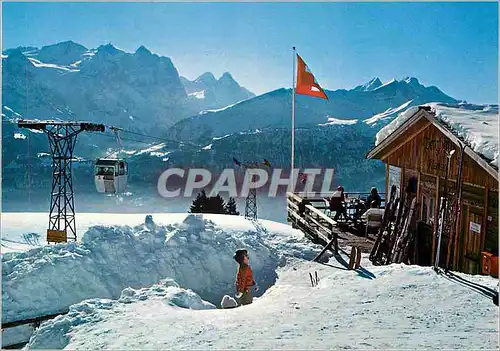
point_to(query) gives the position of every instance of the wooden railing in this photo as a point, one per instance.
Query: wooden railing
(311, 220)
(318, 198)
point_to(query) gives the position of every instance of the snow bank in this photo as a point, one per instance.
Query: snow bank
(54, 335)
(383, 307)
(197, 253)
(477, 125)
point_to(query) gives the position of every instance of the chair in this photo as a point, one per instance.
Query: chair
(328, 212)
(373, 220)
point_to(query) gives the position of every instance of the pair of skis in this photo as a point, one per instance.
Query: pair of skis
(315, 280)
(354, 258)
(403, 241)
(380, 247)
(397, 231)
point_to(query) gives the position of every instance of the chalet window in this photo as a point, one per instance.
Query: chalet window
(394, 179)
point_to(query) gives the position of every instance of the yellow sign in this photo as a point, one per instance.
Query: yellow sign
(56, 236)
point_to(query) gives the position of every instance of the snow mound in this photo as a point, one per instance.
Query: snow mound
(476, 125)
(95, 310)
(197, 253)
(166, 289)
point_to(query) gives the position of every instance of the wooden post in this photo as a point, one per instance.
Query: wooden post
(387, 174)
(485, 218)
(418, 197)
(458, 212)
(436, 219)
(336, 237)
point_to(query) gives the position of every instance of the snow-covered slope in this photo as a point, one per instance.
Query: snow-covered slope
(273, 109)
(385, 307)
(477, 125)
(195, 251)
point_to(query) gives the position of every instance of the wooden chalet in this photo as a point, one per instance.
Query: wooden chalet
(418, 148)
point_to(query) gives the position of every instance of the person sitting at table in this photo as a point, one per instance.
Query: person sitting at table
(374, 196)
(336, 203)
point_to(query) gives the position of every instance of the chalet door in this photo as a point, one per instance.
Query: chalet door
(472, 240)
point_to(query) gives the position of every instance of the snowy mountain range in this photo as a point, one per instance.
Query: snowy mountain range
(142, 91)
(139, 90)
(372, 103)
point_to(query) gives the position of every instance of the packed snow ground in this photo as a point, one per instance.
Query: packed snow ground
(399, 307)
(195, 250)
(141, 286)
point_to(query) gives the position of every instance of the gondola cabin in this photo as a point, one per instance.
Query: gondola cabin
(111, 175)
(415, 146)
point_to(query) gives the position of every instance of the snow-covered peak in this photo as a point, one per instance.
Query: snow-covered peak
(411, 81)
(65, 46)
(392, 82)
(63, 53)
(207, 78)
(108, 49)
(370, 85)
(143, 50)
(226, 77)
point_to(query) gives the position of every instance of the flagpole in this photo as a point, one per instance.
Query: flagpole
(293, 124)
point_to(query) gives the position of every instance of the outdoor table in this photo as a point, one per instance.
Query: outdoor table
(355, 207)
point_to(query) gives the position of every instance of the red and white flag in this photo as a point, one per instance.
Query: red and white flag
(306, 83)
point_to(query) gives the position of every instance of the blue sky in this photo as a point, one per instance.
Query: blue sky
(451, 45)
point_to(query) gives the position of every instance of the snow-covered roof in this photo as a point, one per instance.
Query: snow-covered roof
(476, 125)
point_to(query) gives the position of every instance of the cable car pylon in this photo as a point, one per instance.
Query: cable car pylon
(62, 139)
(251, 199)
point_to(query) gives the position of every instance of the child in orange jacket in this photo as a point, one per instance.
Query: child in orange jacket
(244, 278)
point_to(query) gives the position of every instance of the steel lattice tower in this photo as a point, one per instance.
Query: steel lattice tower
(251, 205)
(62, 139)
